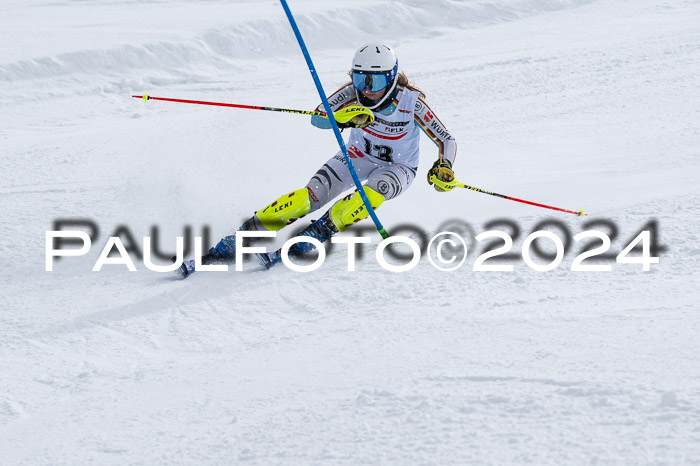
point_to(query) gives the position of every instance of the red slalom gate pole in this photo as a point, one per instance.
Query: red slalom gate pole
(147, 97)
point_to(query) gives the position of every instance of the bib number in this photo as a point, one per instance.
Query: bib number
(381, 152)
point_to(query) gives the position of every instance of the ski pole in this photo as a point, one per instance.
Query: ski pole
(147, 97)
(449, 185)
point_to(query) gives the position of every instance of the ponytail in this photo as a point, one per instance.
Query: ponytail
(404, 82)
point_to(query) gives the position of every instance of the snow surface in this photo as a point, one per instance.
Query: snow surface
(581, 104)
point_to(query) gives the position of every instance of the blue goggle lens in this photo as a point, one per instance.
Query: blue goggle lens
(375, 82)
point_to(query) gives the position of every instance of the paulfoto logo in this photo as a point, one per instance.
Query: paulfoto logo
(542, 250)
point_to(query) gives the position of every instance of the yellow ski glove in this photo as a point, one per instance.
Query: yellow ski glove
(354, 116)
(441, 176)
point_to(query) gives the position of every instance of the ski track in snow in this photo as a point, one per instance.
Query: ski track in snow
(582, 104)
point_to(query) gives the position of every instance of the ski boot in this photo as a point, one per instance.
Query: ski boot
(224, 252)
(186, 268)
(321, 229)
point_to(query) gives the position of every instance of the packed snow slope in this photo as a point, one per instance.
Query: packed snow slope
(581, 104)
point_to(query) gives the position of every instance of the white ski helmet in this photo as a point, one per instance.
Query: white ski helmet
(375, 66)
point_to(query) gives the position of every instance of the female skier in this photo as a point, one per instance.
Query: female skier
(383, 146)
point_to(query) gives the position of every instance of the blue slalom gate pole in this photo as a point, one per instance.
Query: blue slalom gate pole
(331, 118)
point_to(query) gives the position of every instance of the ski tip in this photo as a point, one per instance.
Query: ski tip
(581, 213)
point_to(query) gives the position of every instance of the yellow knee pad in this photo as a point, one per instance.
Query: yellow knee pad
(351, 209)
(285, 210)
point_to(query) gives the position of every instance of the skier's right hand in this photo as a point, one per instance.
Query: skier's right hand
(354, 116)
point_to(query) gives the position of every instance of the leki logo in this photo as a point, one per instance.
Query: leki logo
(282, 206)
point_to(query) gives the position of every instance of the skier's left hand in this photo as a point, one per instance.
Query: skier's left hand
(441, 176)
(354, 116)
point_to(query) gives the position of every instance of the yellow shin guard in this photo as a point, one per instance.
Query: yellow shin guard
(285, 210)
(351, 209)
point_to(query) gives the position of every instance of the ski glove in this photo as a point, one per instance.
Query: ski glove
(354, 116)
(441, 171)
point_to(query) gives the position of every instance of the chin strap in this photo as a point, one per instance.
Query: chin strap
(384, 102)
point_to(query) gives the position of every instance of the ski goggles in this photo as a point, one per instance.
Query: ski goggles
(374, 81)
